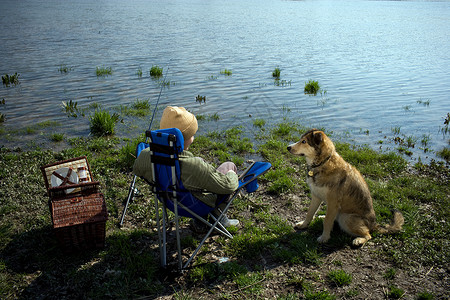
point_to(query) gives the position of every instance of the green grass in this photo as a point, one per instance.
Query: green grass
(339, 277)
(444, 153)
(139, 108)
(390, 274)
(312, 87)
(102, 71)
(31, 264)
(395, 292)
(102, 123)
(425, 296)
(57, 137)
(259, 123)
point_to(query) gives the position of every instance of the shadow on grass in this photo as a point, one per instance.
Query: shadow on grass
(37, 268)
(128, 267)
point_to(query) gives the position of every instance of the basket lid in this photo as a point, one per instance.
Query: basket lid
(66, 173)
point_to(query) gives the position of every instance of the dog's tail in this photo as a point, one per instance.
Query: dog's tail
(395, 226)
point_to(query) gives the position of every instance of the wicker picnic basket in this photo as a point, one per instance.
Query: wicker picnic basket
(77, 208)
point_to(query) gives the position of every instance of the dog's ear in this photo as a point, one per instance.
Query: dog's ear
(317, 137)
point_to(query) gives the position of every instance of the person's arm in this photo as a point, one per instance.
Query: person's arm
(142, 165)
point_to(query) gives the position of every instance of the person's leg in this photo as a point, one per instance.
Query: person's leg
(225, 168)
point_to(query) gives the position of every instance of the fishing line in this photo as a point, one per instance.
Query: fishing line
(157, 102)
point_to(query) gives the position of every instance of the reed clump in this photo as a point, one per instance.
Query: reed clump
(312, 87)
(103, 71)
(102, 123)
(226, 72)
(156, 71)
(200, 99)
(10, 79)
(276, 73)
(64, 69)
(139, 72)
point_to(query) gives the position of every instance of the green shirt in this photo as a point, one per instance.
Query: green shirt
(199, 177)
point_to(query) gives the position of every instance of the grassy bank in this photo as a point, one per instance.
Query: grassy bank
(266, 259)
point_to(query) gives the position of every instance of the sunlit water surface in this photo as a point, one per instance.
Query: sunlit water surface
(385, 65)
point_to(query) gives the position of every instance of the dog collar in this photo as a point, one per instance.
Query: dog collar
(313, 166)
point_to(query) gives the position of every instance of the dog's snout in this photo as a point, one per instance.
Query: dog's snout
(289, 148)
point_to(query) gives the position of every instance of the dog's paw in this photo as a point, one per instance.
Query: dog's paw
(358, 242)
(323, 239)
(301, 225)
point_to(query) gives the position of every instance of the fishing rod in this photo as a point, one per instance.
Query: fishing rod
(157, 102)
(133, 190)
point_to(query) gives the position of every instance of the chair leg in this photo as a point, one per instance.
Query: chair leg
(129, 199)
(177, 230)
(214, 226)
(161, 234)
(221, 229)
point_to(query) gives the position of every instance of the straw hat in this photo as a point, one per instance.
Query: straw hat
(179, 117)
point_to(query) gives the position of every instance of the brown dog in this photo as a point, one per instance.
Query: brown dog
(340, 185)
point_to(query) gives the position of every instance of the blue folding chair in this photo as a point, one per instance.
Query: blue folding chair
(165, 147)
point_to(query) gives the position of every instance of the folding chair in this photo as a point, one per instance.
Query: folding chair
(165, 147)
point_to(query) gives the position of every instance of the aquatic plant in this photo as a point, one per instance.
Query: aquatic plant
(64, 69)
(425, 140)
(57, 137)
(139, 72)
(141, 104)
(102, 123)
(10, 79)
(139, 108)
(103, 71)
(200, 99)
(259, 123)
(276, 73)
(278, 82)
(424, 102)
(167, 83)
(445, 129)
(226, 72)
(156, 71)
(444, 154)
(396, 130)
(214, 117)
(312, 87)
(407, 107)
(71, 109)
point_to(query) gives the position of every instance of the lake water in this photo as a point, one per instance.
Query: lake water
(385, 65)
